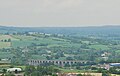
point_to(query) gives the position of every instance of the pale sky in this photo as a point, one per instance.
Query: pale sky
(44, 13)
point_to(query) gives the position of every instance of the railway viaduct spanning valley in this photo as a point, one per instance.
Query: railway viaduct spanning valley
(55, 62)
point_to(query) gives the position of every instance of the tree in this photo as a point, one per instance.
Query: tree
(67, 65)
(49, 57)
(4, 71)
(9, 74)
(79, 75)
(9, 40)
(29, 70)
(69, 58)
(12, 66)
(54, 75)
(56, 70)
(57, 57)
(105, 74)
(2, 40)
(5, 40)
(36, 73)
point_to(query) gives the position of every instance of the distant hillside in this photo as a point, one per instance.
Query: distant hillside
(64, 30)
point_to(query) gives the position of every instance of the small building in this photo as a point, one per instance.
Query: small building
(114, 64)
(5, 61)
(14, 69)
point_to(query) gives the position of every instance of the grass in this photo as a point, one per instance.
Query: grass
(5, 44)
(23, 37)
(51, 41)
(38, 57)
(62, 58)
(5, 65)
(79, 71)
(21, 43)
(66, 70)
(99, 47)
(114, 75)
(22, 67)
(26, 41)
(3, 37)
(71, 71)
(86, 42)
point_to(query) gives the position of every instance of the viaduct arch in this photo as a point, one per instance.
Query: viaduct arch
(55, 62)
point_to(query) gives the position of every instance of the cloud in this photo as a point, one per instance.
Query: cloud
(59, 12)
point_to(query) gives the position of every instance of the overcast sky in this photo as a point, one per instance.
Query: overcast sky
(43, 13)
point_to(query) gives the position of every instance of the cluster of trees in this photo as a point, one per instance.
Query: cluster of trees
(78, 50)
(6, 40)
(112, 70)
(8, 74)
(115, 70)
(41, 71)
(82, 52)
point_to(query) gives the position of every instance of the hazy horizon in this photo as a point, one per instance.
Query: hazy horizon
(62, 26)
(59, 13)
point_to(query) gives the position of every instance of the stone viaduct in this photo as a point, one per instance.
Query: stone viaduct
(55, 62)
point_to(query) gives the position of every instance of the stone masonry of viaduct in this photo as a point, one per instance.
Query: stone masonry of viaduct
(55, 62)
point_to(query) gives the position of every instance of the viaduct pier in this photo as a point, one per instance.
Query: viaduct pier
(55, 62)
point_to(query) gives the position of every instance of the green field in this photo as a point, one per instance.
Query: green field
(38, 57)
(28, 40)
(99, 47)
(42, 46)
(5, 44)
(3, 37)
